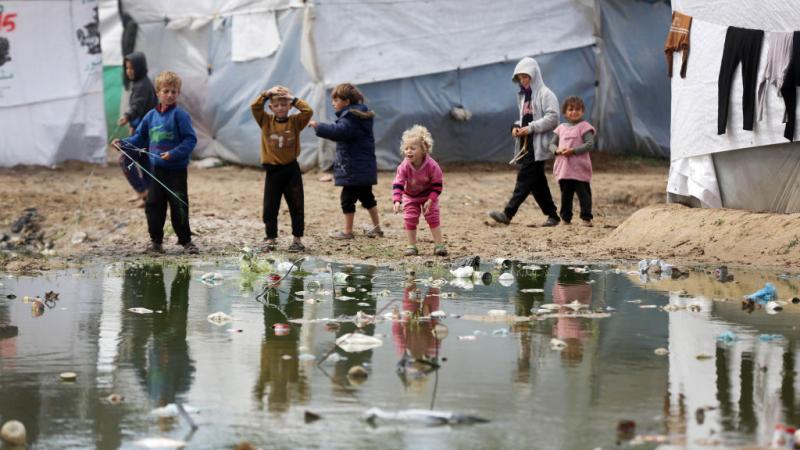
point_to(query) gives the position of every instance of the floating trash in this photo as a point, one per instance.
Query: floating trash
(172, 410)
(344, 298)
(468, 338)
(648, 306)
(440, 331)
(575, 305)
(439, 313)
(285, 266)
(636, 301)
(68, 376)
(533, 290)
(463, 272)
(13, 432)
(281, 329)
(500, 332)
(770, 337)
(313, 286)
(211, 278)
(115, 399)
(357, 342)
(672, 308)
(350, 289)
(357, 375)
(763, 295)
(557, 344)
(661, 351)
(424, 416)
(219, 318)
(727, 337)
(531, 267)
(497, 312)
(365, 304)
(704, 356)
(140, 310)
(310, 417)
(306, 357)
(340, 277)
(506, 279)
(447, 295)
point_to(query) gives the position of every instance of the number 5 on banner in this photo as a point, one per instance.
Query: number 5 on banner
(7, 21)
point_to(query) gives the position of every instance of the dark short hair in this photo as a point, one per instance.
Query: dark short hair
(347, 91)
(572, 101)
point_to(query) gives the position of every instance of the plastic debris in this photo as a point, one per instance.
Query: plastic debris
(534, 290)
(357, 375)
(211, 278)
(770, 337)
(626, 429)
(763, 295)
(506, 279)
(463, 272)
(703, 356)
(219, 318)
(357, 342)
(727, 337)
(208, 163)
(344, 298)
(500, 332)
(172, 410)
(350, 289)
(79, 237)
(13, 433)
(661, 351)
(773, 307)
(468, 261)
(140, 310)
(557, 344)
(68, 376)
(340, 277)
(502, 263)
(363, 319)
(281, 329)
(721, 274)
(306, 357)
(439, 313)
(115, 399)
(576, 306)
(479, 333)
(425, 416)
(463, 283)
(159, 442)
(636, 301)
(648, 306)
(468, 338)
(285, 266)
(497, 312)
(531, 267)
(440, 331)
(310, 417)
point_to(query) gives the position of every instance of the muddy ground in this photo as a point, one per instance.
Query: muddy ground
(84, 214)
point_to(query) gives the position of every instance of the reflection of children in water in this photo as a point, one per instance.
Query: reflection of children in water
(571, 286)
(277, 375)
(159, 350)
(414, 338)
(526, 281)
(359, 289)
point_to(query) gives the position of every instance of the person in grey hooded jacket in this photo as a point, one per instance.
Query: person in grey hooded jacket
(538, 117)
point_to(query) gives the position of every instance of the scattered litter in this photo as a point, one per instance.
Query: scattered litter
(649, 439)
(536, 290)
(350, 289)
(115, 399)
(159, 442)
(285, 266)
(497, 313)
(447, 295)
(672, 307)
(763, 295)
(344, 298)
(770, 337)
(211, 278)
(471, 261)
(704, 356)
(661, 351)
(300, 293)
(531, 267)
(550, 306)
(727, 337)
(626, 429)
(235, 330)
(580, 269)
(13, 433)
(363, 319)
(313, 286)
(357, 375)
(357, 342)
(648, 306)
(463, 283)
(310, 417)
(281, 329)
(384, 293)
(721, 274)
(500, 332)
(557, 344)
(463, 272)
(575, 305)
(773, 307)
(363, 304)
(506, 279)
(440, 331)
(502, 263)
(439, 313)
(340, 277)
(637, 301)
(140, 310)
(219, 318)
(468, 338)
(286, 357)
(208, 163)
(79, 237)
(334, 358)
(68, 376)
(424, 416)
(306, 357)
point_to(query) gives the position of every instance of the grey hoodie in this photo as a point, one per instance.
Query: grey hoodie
(143, 95)
(545, 110)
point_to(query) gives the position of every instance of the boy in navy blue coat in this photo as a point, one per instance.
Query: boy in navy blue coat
(167, 134)
(355, 167)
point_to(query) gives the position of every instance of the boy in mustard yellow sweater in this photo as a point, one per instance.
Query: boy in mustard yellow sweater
(280, 147)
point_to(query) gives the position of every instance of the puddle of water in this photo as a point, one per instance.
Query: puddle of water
(253, 378)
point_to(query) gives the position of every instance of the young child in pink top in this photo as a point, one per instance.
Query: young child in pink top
(571, 144)
(416, 188)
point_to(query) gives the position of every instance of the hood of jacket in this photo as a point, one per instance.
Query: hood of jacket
(358, 110)
(530, 67)
(139, 63)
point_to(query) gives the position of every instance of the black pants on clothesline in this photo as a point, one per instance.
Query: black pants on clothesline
(789, 88)
(741, 45)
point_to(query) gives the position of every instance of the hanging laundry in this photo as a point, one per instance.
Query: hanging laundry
(678, 40)
(789, 88)
(778, 55)
(741, 45)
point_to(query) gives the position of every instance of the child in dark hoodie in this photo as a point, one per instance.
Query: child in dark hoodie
(355, 167)
(143, 99)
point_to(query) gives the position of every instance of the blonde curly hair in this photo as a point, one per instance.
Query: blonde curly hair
(419, 134)
(170, 79)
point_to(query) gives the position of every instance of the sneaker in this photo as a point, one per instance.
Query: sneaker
(340, 235)
(551, 222)
(440, 250)
(269, 245)
(296, 247)
(190, 248)
(155, 247)
(411, 250)
(374, 232)
(586, 223)
(500, 217)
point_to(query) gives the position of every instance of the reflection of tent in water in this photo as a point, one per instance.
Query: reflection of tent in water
(417, 62)
(752, 382)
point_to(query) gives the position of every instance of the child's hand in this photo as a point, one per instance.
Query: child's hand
(313, 124)
(396, 207)
(568, 152)
(426, 206)
(521, 131)
(122, 120)
(165, 156)
(115, 142)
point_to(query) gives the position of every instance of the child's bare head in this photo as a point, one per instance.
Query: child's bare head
(348, 93)
(168, 79)
(572, 101)
(418, 135)
(280, 106)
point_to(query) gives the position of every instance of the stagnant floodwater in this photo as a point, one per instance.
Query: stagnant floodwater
(252, 381)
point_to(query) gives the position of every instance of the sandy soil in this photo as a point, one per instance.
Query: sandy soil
(631, 220)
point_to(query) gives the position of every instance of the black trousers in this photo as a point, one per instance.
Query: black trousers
(584, 191)
(531, 180)
(741, 45)
(283, 180)
(158, 198)
(351, 194)
(789, 88)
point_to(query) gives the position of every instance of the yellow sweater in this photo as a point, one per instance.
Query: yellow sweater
(280, 140)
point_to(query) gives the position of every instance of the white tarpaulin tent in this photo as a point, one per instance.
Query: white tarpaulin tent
(51, 87)
(756, 170)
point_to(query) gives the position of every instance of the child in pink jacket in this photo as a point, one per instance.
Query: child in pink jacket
(416, 188)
